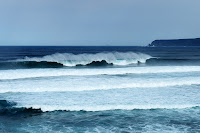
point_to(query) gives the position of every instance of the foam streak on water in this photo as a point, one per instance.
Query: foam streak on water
(138, 93)
(128, 99)
(33, 73)
(102, 82)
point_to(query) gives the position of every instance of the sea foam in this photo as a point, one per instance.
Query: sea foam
(115, 58)
(44, 73)
(94, 83)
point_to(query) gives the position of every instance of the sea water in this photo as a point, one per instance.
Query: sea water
(100, 89)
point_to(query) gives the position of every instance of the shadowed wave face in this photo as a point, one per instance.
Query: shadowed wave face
(99, 89)
(60, 60)
(115, 58)
(138, 120)
(71, 60)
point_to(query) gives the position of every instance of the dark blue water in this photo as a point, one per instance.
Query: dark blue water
(99, 89)
(15, 52)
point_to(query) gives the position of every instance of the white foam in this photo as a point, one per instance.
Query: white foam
(126, 99)
(110, 107)
(68, 59)
(94, 83)
(33, 73)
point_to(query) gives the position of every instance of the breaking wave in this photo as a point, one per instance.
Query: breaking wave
(114, 58)
(11, 108)
(150, 120)
(111, 107)
(8, 108)
(60, 60)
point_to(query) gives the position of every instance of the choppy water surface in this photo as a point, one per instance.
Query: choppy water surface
(99, 89)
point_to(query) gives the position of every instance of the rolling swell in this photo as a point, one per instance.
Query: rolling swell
(29, 64)
(45, 64)
(10, 108)
(102, 63)
(173, 61)
(34, 120)
(97, 63)
(99, 59)
(7, 108)
(94, 60)
(184, 120)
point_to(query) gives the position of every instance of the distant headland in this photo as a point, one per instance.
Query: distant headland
(175, 43)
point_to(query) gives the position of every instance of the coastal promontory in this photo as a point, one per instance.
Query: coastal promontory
(176, 43)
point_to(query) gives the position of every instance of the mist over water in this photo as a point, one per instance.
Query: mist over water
(98, 89)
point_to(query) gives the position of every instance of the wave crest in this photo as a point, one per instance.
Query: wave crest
(115, 58)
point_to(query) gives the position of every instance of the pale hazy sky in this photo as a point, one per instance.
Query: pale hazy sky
(97, 22)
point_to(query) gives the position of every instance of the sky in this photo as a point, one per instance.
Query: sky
(97, 22)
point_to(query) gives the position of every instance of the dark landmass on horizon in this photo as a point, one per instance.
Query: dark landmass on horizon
(192, 42)
(176, 43)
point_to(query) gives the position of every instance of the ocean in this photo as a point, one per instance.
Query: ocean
(99, 89)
